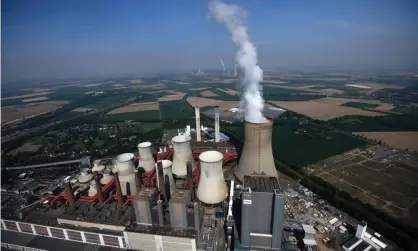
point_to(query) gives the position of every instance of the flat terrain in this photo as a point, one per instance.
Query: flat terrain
(402, 140)
(208, 93)
(82, 109)
(324, 108)
(135, 107)
(380, 176)
(34, 99)
(228, 91)
(27, 147)
(203, 102)
(26, 95)
(18, 112)
(173, 96)
(135, 81)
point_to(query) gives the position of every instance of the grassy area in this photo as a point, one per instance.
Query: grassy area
(152, 115)
(360, 105)
(176, 109)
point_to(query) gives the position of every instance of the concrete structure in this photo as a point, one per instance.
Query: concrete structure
(217, 130)
(182, 154)
(197, 115)
(143, 205)
(146, 160)
(310, 235)
(167, 172)
(212, 187)
(262, 212)
(257, 155)
(361, 229)
(125, 169)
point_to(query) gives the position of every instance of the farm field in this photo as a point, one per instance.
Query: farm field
(203, 102)
(173, 96)
(26, 96)
(176, 109)
(402, 140)
(324, 108)
(27, 147)
(34, 99)
(134, 107)
(18, 112)
(359, 105)
(380, 176)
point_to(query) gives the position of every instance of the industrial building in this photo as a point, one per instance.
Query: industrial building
(180, 198)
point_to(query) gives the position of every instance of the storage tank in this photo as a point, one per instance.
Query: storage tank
(257, 154)
(167, 171)
(182, 154)
(125, 168)
(212, 187)
(146, 160)
(85, 176)
(107, 177)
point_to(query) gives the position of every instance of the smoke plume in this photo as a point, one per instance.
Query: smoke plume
(223, 67)
(252, 102)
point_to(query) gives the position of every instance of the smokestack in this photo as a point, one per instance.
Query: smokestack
(257, 155)
(70, 193)
(190, 179)
(212, 187)
(168, 175)
(99, 188)
(196, 210)
(252, 102)
(161, 184)
(138, 180)
(217, 134)
(182, 154)
(160, 212)
(197, 115)
(118, 189)
(146, 160)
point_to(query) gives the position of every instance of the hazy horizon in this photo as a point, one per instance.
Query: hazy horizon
(74, 39)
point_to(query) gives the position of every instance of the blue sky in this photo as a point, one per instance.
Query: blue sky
(77, 38)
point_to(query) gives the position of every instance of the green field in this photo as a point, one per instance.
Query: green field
(360, 105)
(176, 109)
(152, 116)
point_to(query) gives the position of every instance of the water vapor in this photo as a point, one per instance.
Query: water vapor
(252, 102)
(223, 67)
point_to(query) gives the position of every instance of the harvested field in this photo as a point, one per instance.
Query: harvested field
(324, 109)
(229, 91)
(92, 85)
(27, 147)
(27, 96)
(208, 93)
(135, 81)
(82, 109)
(274, 81)
(402, 140)
(202, 102)
(34, 99)
(158, 86)
(378, 86)
(181, 83)
(198, 88)
(173, 96)
(136, 107)
(118, 85)
(24, 111)
(37, 89)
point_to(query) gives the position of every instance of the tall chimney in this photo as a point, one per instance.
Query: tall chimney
(190, 179)
(118, 189)
(99, 188)
(138, 180)
(161, 183)
(257, 155)
(70, 193)
(160, 212)
(217, 135)
(197, 115)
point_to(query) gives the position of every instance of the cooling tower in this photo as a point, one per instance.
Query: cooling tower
(212, 187)
(257, 155)
(197, 115)
(182, 154)
(146, 160)
(125, 169)
(167, 171)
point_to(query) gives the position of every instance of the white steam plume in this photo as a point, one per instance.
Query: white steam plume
(252, 102)
(223, 67)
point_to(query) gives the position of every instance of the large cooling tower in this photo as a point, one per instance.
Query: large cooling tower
(146, 160)
(182, 154)
(212, 187)
(125, 169)
(257, 155)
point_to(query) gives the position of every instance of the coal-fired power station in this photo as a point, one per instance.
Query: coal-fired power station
(257, 154)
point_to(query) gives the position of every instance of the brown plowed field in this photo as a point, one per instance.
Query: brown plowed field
(403, 140)
(136, 107)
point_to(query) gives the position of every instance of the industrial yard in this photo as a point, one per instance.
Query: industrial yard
(382, 176)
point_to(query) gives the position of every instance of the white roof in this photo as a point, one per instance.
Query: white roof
(308, 229)
(309, 242)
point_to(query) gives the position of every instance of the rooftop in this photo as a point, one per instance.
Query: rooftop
(261, 183)
(157, 230)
